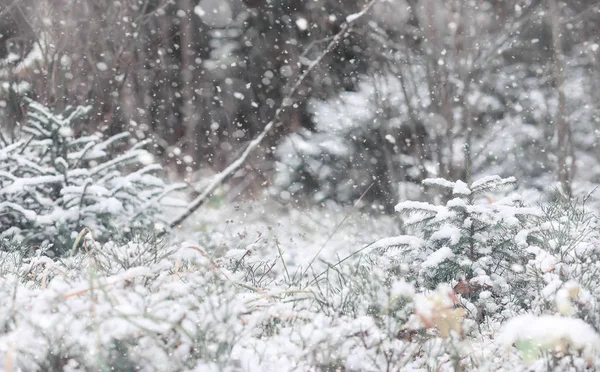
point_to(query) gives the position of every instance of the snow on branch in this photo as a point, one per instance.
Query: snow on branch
(410, 206)
(412, 242)
(491, 182)
(439, 182)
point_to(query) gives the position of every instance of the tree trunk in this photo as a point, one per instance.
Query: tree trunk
(563, 130)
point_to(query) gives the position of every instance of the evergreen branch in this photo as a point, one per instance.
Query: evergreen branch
(438, 182)
(486, 184)
(410, 207)
(128, 156)
(109, 141)
(82, 153)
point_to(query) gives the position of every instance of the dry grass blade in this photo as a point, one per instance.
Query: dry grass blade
(336, 229)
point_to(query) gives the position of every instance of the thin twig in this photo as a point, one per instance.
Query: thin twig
(337, 228)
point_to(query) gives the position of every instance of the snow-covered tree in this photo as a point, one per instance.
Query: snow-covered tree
(471, 241)
(359, 139)
(53, 184)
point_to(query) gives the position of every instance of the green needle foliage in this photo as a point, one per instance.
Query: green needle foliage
(53, 184)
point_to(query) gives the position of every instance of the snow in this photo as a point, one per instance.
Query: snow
(437, 257)
(28, 214)
(417, 206)
(353, 17)
(550, 332)
(401, 288)
(398, 241)
(101, 66)
(448, 232)
(565, 296)
(495, 179)
(461, 188)
(543, 260)
(302, 24)
(441, 182)
(521, 238)
(457, 203)
(36, 55)
(19, 184)
(65, 132)
(199, 11)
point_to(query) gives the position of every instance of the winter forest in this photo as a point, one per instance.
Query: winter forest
(299, 185)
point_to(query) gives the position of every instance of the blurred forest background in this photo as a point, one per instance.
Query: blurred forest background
(414, 89)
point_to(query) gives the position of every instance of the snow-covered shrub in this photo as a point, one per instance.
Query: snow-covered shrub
(359, 138)
(53, 184)
(358, 317)
(185, 311)
(471, 242)
(73, 316)
(566, 245)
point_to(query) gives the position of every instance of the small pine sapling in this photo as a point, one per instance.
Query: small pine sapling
(469, 242)
(53, 184)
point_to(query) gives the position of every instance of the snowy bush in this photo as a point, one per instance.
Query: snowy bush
(53, 184)
(359, 138)
(566, 266)
(144, 317)
(185, 311)
(559, 332)
(471, 242)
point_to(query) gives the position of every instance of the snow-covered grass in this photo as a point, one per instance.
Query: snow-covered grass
(261, 287)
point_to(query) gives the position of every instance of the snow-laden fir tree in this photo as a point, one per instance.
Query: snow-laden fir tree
(53, 185)
(470, 242)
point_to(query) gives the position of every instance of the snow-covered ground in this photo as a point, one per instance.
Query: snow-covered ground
(259, 231)
(203, 301)
(258, 287)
